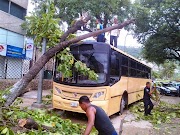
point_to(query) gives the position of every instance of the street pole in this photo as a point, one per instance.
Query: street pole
(41, 73)
(41, 76)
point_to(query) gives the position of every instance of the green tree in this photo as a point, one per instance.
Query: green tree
(44, 25)
(101, 9)
(157, 27)
(168, 69)
(156, 75)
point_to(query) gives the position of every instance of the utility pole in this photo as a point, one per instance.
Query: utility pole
(39, 104)
(41, 76)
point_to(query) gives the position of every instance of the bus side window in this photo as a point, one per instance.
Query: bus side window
(114, 68)
(132, 68)
(124, 66)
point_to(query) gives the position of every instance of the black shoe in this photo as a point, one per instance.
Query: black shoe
(150, 114)
(145, 114)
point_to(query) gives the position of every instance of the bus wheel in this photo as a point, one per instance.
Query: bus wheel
(123, 104)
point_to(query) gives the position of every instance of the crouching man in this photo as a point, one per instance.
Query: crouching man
(97, 118)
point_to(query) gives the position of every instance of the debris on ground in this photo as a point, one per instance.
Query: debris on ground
(162, 113)
(22, 121)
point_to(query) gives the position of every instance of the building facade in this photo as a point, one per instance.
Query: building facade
(12, 39)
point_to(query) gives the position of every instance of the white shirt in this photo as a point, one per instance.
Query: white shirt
(115, 32)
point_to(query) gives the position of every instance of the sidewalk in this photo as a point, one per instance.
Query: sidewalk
(127, 125)
(133, 127)
(30, 97)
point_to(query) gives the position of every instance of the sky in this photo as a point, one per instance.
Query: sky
(125, 38)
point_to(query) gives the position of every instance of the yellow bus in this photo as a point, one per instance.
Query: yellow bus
(121, 79)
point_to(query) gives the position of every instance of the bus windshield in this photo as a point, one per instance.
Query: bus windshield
(97, 61)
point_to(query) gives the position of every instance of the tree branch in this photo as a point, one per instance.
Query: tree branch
(74, 28)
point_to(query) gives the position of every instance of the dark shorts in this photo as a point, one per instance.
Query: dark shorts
(114, 133)
(100, 38)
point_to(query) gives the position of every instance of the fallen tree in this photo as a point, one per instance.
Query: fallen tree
(19, 87)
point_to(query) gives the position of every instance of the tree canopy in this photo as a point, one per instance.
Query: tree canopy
(158, 28)
(101, 9)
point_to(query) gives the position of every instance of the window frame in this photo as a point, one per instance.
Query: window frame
(8, 6)
(14, 10)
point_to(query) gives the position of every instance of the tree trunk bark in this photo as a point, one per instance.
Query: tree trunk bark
(19, 87)
(31, 124)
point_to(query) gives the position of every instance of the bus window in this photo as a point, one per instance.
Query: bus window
(132, 68)
(95, 61)
(124, 66)
(138, 74)
(114, 68)
(124, 71)
(139, 66)
(124, 61)
(133, 64)
(133, 72)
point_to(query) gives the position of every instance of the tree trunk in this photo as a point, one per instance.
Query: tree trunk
(19, 87)
(31, 124)
(105, 21)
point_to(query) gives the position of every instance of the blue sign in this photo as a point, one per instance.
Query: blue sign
(15, 52)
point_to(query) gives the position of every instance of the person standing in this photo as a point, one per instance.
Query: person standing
(96, 117)
(148, 105)
(100, 37)
(114, 34)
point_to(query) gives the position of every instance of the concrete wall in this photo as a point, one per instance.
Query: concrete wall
(33, 85)
(11, 23)
(22, 3)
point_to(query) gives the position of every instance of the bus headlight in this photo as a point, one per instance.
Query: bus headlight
(58, 90)
(98, 94)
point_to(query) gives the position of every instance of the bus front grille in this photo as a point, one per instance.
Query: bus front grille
(74, 95)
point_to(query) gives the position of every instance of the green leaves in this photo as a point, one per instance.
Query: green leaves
(10, 113)
(104, 9)
(44, 25)
(163, 113)
(3, 94)
(6, 131)
(68, 62)
(157, 29)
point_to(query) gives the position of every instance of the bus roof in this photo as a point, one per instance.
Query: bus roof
(128, 55)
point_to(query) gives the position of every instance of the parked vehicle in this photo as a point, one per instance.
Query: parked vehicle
(169, 86)
(177, 86)
(163, 90)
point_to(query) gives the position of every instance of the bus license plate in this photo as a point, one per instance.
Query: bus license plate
(73, 104)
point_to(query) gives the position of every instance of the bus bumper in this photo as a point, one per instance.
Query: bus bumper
(73, 106)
